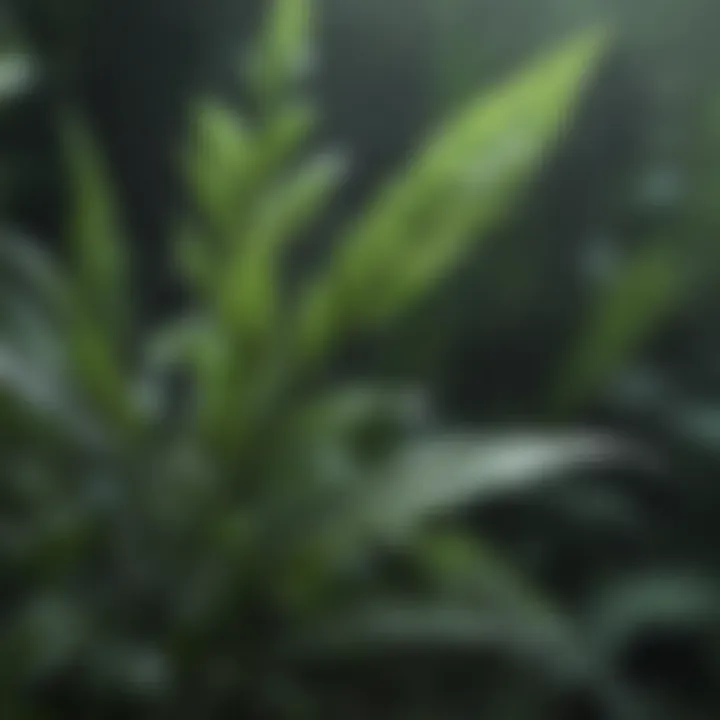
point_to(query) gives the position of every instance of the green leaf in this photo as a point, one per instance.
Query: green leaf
(38, 306)
(461, 185)
(231, 167)
(438, 476)
(99, 374)
(434, 478)
(464, 567)
(439, 248)
(33, 272)
(251, 284)
(247, 308)
(218, 164)
(625, 315)
(95, 234)
(283, 135)
(284, 52)
(38, 402)
(99, 321)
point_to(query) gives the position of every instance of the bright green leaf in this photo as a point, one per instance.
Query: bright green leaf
(284, 53)
(462, 183)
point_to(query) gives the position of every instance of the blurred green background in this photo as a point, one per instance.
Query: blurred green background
(359, 358)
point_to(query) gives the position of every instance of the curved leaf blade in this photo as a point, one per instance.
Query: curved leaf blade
(462, 183)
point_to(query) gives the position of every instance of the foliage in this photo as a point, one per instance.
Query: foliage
(184, 507)
(197, 521)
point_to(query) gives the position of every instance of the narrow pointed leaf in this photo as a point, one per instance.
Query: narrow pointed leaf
(99, 324)
(219, 164)
(484, 156)
(251, 287)
(95, 233)
(284, 53)
(626, 314)
(438, 476)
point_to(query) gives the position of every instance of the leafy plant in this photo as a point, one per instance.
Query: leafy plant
(181, 504)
